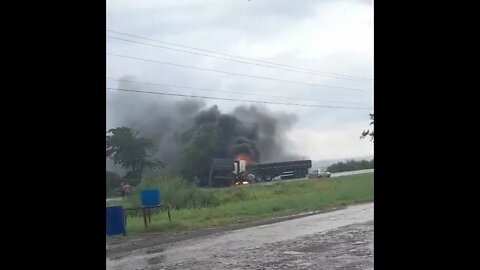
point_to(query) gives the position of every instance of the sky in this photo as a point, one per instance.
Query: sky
(329, 36)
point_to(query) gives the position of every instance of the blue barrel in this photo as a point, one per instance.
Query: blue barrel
(115, 220)
(150, 197)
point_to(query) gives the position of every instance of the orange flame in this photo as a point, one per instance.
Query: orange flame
(242, 156)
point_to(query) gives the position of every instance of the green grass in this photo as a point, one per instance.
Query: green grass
(196, 208)
(178, 193)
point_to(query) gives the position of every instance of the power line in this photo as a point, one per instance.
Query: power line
(239, 61)
(232, 99)
(224, 91)
(240, 57)
(233, 73)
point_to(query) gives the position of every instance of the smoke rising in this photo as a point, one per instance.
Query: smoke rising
(245, 149)
(174, 124)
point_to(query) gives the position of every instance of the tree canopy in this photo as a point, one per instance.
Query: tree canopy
(367, 132)
(350, 165)
(200, 151)
(125, 147)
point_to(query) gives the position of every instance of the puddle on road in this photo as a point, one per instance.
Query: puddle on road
(217, 247)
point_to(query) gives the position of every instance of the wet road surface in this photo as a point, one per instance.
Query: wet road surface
(340, 239)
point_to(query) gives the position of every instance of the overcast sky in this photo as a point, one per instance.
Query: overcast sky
(329, 36)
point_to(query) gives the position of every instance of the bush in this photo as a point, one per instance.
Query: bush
(350, 165)
(115, 192)
(113, 181)
(176, 192)
(233, 195)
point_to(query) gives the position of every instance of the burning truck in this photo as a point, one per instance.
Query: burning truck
(241, 166)
(227, 171)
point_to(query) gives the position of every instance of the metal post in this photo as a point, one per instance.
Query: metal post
(144, 217)
(125, 216)
(149, 216)
(210, 176)
(168, 211)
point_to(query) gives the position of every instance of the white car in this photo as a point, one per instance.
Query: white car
(318, 174)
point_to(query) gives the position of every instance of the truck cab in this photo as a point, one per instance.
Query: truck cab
(227, 172)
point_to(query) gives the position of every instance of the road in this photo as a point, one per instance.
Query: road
(351, 172)
(340, 239)
(333, 175)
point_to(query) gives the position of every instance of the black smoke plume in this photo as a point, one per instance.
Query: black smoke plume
(245, 149)
(176, 124)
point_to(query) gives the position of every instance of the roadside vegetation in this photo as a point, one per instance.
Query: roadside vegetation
(350, 165)
(196, 208)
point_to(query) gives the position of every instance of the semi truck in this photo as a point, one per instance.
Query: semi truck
(226, 172)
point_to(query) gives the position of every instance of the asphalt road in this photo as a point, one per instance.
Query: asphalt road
(340, 239)
(333, 175)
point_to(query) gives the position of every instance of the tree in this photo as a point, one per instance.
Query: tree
(125, 147)
(350, 165)
(200, 152)
(113, 181)
(367, 132)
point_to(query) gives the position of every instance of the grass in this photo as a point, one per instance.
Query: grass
(178, 193)
(196, 208)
